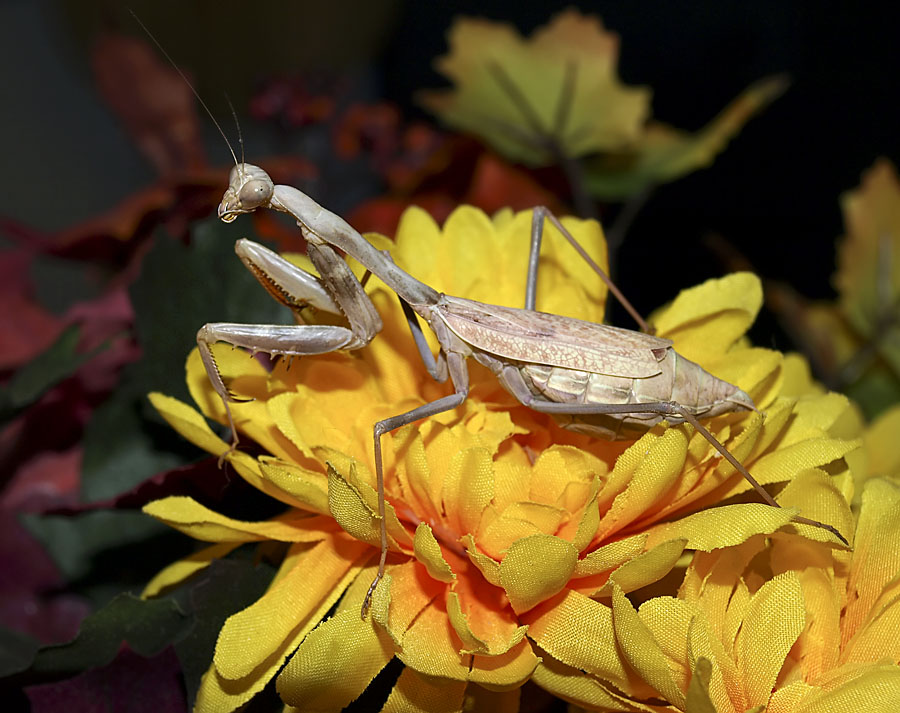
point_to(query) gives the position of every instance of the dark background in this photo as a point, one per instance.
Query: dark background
(774, 192)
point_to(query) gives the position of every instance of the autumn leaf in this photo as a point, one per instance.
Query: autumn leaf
(153, 102)
(664, 153)
(868, 274)
(535, 100)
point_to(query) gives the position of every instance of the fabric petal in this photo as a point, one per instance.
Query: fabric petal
(535, 568)
(571, 684)
(414, 692)
(723, 526)
(179, 571)
(293, 601)
(427, 550)
(646, 568)
(190, 517)
(353, 504)
(642, 650)
(506, 671)
(432, 648)
(731, 301)
(335, 663)
(578, 632)
(188, 422)
(773, 621)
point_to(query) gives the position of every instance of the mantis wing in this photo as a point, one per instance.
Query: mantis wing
(541, 338)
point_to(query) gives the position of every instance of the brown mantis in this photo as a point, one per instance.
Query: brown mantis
(595, 377)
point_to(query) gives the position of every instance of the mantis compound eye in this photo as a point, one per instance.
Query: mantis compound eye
(254, 193)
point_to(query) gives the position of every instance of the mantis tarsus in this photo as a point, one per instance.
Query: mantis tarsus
(600, 377)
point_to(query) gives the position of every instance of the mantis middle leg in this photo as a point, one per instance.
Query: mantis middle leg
(459, 375)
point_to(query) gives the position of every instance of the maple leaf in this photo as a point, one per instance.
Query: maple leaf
(664, 153)
(536, 100)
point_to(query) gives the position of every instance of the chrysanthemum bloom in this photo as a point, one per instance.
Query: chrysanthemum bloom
(508, 534)
(782, 625)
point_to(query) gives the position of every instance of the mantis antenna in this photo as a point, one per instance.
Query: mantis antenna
(237, 124)
(191, 86)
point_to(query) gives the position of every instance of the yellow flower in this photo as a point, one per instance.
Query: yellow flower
(508, 535)
(785, 625)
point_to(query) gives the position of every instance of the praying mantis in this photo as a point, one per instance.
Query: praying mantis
(593, 378)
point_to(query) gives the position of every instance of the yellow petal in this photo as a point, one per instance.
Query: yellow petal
(335, 663)
(353, 504)
(784, 463)
(468, 488)
(190, 517)
(515, 522)
(646, 568)
(642, 650)
(580, 529)
(314, 578)
(611, 555)
(411, 591)
(488, 567)
(414, 693)
(722, 526)
(188, 422)
(427, 550)
(876, 690)
(814, 494)
(308, 489)
(506, 671)
(186, 567)
(706, 320)
(659, 467)
(431, 647)
(571, 684)
(535, 568)
(882, 446)
(578, 632)
(457, 618)
(697, 699)
(773, 620)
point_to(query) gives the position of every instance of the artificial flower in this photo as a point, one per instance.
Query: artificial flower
(509, 536)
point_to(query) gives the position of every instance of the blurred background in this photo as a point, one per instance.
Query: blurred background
(773, 192)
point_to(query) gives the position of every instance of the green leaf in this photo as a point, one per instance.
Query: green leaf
(224, 588)
(17, 651)
(534, 100)
(148, 626)
(181, 287)
(74, 541)
(663, 153)
(34, 379)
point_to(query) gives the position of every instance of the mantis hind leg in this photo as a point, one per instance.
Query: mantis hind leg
(539, 215)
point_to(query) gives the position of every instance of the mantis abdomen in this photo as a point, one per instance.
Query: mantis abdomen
(679, 380)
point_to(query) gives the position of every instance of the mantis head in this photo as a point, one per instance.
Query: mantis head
(249, 187)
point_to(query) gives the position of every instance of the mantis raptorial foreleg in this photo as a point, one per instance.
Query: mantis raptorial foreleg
(336, 290)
